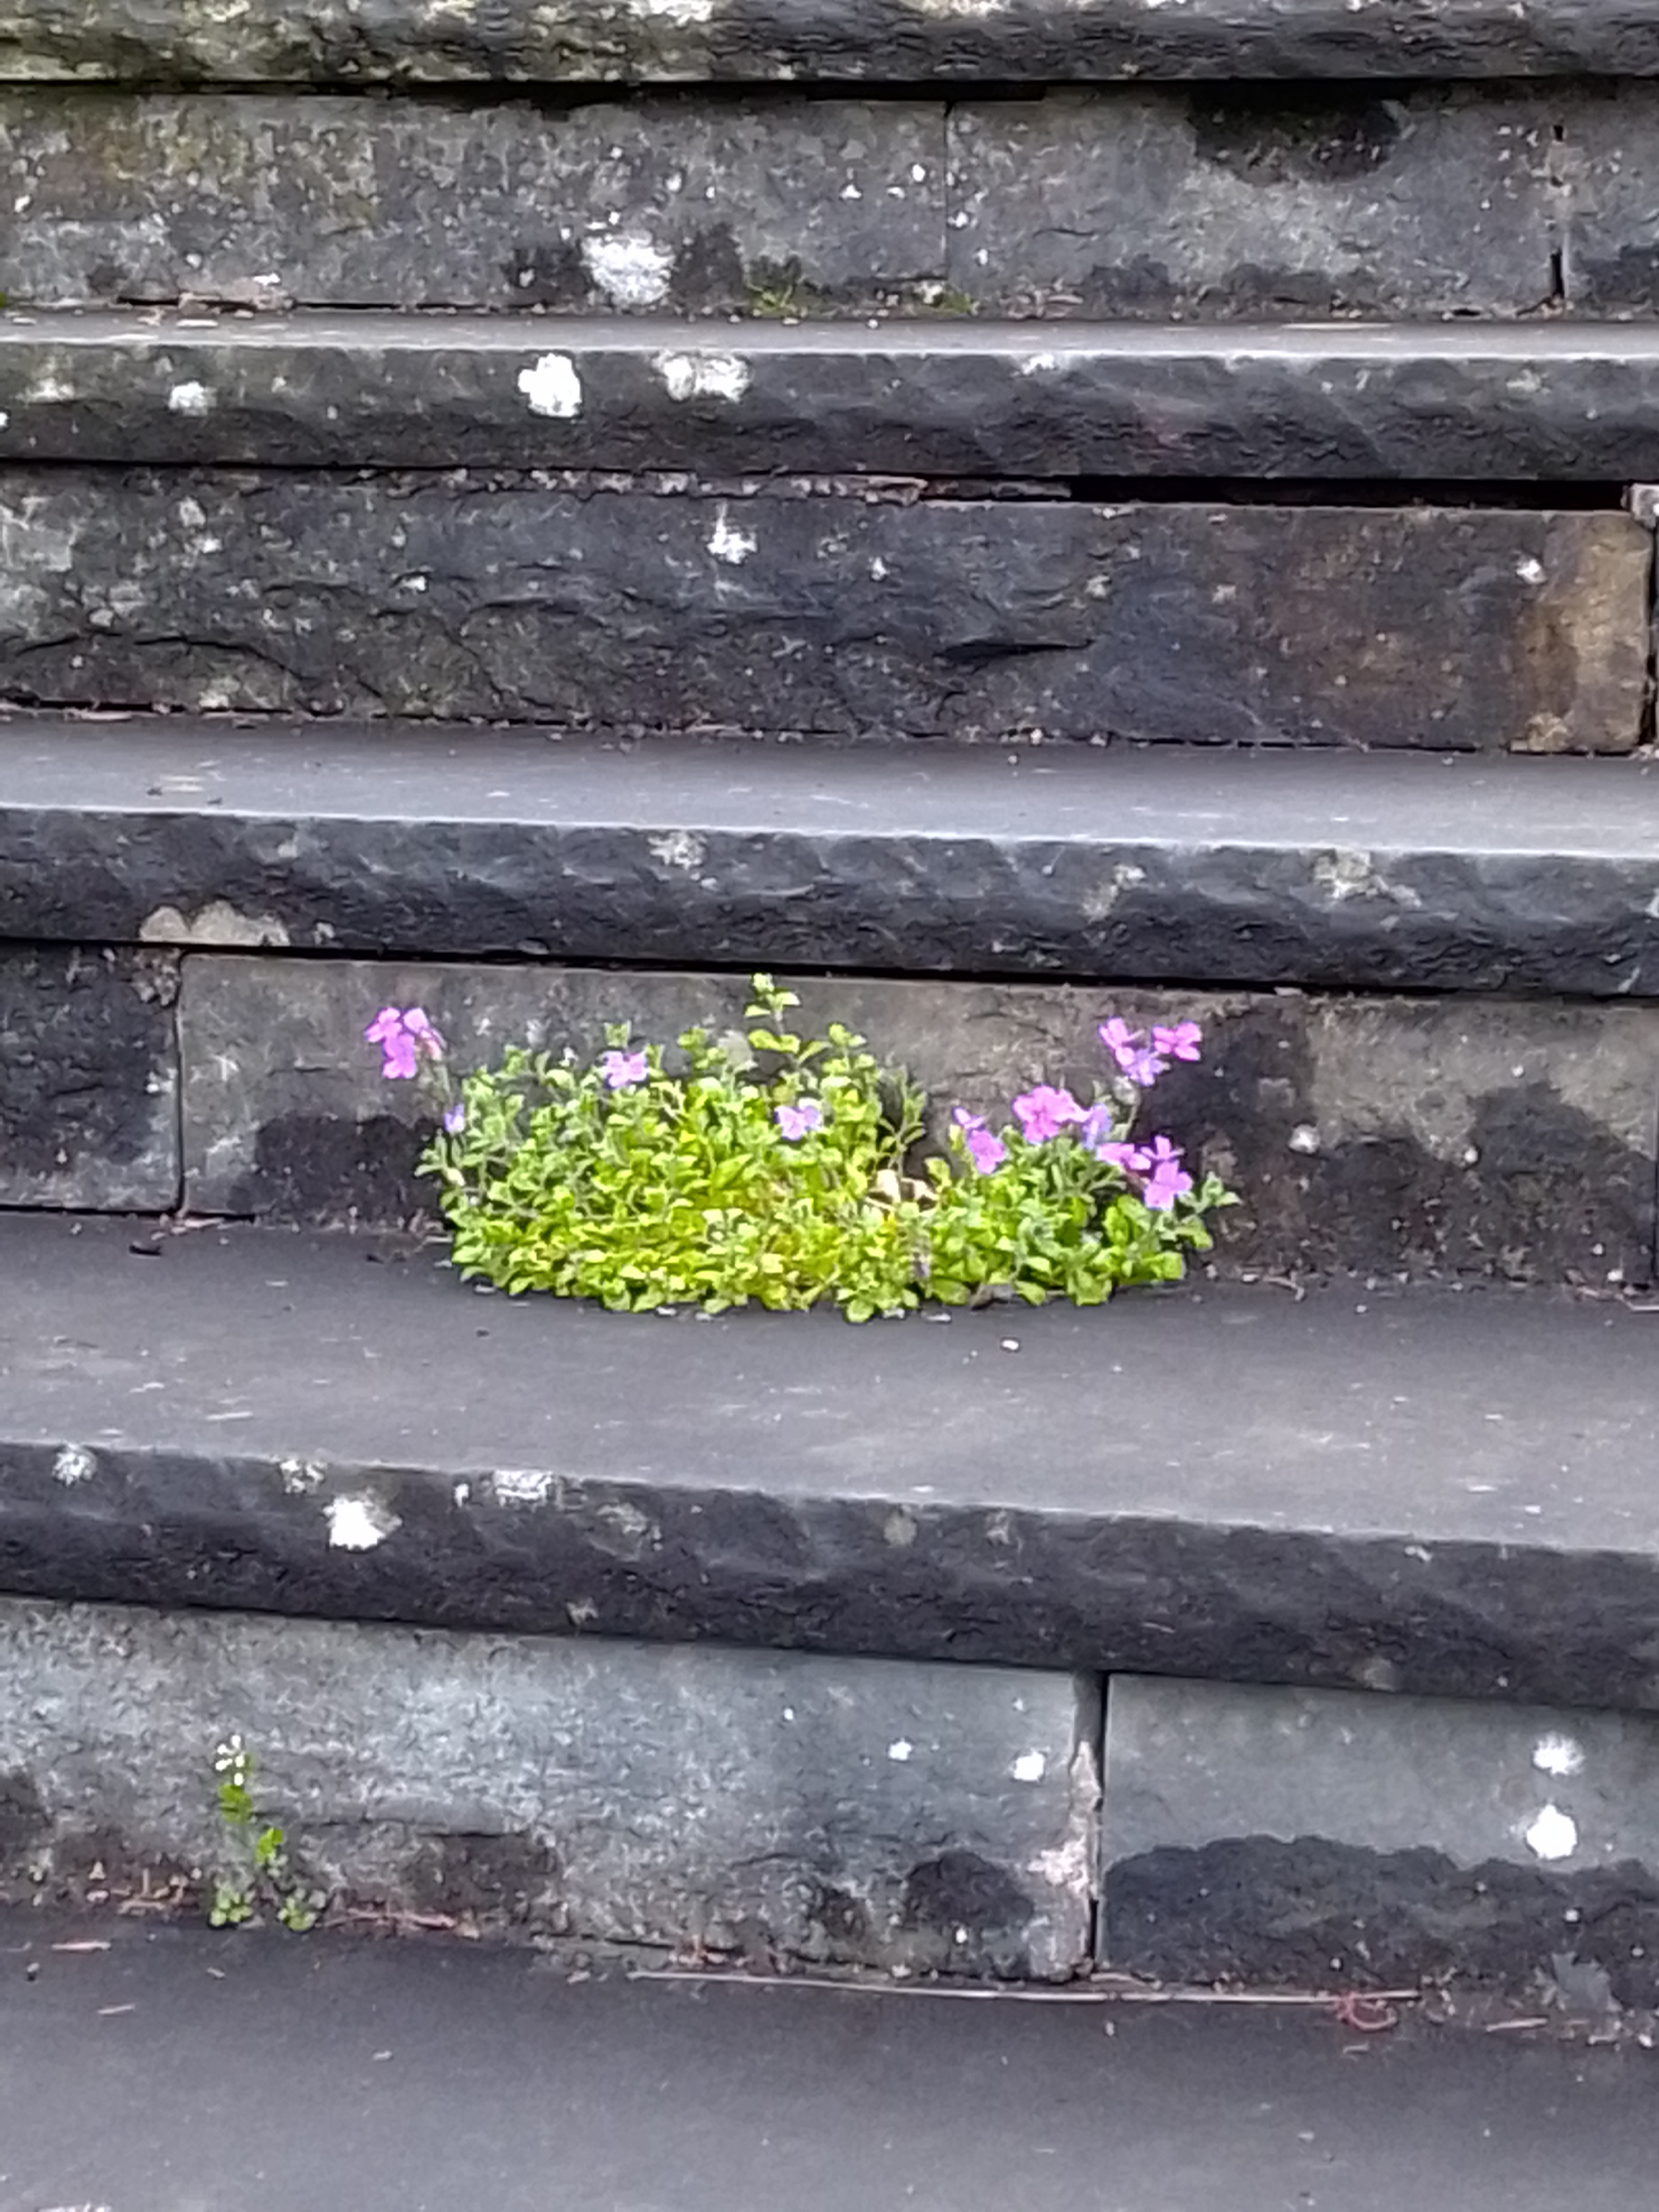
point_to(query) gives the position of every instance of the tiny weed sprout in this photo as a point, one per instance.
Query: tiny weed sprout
(787, 1170)
(258, 1872)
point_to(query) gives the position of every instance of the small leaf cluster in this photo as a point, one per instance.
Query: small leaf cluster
(765, 1167)
(260, 1870)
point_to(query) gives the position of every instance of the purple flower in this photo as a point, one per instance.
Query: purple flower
(418, 1026)
(1129, 1158)
(1144, 1068)
(1095, 1126)
(1120, 1040)
(389, 1031)
(1180, 1040)
(796, 1121)
(1044, 1112)
(455, 1118)
(986, 1152)
(622, 1070)
(1168, 1180)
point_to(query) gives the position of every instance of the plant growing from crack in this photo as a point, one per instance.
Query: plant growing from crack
(260, 1872)
(778, 1169)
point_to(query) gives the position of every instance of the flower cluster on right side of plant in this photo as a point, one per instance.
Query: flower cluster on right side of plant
(770, 1167)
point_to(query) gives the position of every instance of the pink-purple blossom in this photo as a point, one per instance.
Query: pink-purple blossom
(1131, 1158)
(1044, 1111)
(455, 1118)
(796, 1121)
(405, 1037)
(1180, 1040)
(987, 1151)
(622, 1070)
(1168, 1180)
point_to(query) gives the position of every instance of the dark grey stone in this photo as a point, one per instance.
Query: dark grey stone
(827, 608)
(1387, 1136)
(1321, 1839)
(331, 39)
(672, 204)
(1154, 865)
(89, 1078)
(1610, 259)
(868, 1811)
(1442, 1492)
(942, 396)
(1229, 204)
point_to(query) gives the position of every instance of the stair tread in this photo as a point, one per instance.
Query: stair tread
(1401, 869)
(1435, 1491)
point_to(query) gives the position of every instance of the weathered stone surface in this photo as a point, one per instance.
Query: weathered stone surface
(868, 1810)
(89, 1079)
(794, 606)
(1610, 257)
(1339, 1840)
(330, 40)
(671, 205)
(1453, 872)
(949, 396)
(1442, 1492)
(1229, 204)
(1388, 1137)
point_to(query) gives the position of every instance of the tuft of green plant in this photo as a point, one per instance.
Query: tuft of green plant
(260, 1872)
(784, 296)
(776, 1168)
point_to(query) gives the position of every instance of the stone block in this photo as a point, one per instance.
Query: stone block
(1346, 1839)
(824, 609)
(1467, 1137)
(1610, 158)
(1247, 203)
(866, 1811)
(676, 205)
(89, 1079)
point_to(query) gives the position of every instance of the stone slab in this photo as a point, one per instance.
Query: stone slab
(89, 1078)
(328, 40)
(1438, 1492)
(1483, 402)
(835, 608)
(674, 206)
(1380, 1136)
(1150, 864)
(1245, 203)
(1610, 249)
(1342, 1840)
(869, 1811)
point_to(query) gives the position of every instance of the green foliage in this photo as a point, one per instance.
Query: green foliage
(643, 1187)
(260, 1872)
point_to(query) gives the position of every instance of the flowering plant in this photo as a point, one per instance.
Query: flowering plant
(777, 1168)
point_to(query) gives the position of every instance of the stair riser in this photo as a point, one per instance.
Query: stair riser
(1143, 204)
(586, 40)
(829, 610)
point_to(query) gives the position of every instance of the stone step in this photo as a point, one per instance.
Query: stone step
(1439, 1494)
(829, 606)
(1126, 201)
(1374, 872)
(1484, 403)
(328, 40)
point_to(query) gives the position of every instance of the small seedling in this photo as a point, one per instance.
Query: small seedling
(261, 1873)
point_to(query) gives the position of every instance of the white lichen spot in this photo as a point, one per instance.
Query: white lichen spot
(5, 420)
(682, 12)
(462, 1493)
(190, 399)
(579, 1611)
(552, 387)
(1557, 1755)
(631, 269)
(902, 1751)
(1039, 364)
(218, 923)
(1346, 874)
(1305, 1138)
(729, 543)
(1100, 902)
(1553, 1834)
(899, 1529)
(73, 1464)
(49, 390)
(677, 849)
(299, 1475)
(703, 375)
(1530, 571)
(358, 1524)
(520, 1486)
(1030, 1766)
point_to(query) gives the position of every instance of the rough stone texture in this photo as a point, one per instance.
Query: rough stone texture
(1339, 1839)
(867, 1810)
(799, 606)
(1610, 258)
(669, 205)
(945, 396)
(89, 1079)
(330, 40)
(1459, 1137)
(1151, 864)
(1238, 202)
(1434, 1492)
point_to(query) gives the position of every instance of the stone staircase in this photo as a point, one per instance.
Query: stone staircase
(1002, 516)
